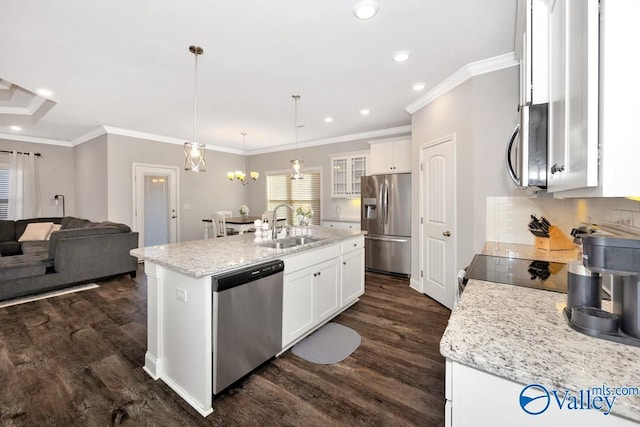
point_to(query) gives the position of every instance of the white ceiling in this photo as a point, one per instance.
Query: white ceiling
(126, 64)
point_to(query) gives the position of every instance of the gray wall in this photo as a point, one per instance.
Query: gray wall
(91, 179)
(313, 157)
(56, 167)
(481, 112)
(201, 194)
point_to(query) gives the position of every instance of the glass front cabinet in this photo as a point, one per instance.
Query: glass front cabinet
(346, 171)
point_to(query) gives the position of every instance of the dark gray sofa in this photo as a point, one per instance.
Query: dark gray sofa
(81, 251)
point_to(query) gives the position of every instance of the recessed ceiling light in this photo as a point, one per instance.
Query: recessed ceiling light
(328, 119)
(418, 86)
(365, 9)
(365, 112)
(45, 92)
(15, 128)
(401, 55)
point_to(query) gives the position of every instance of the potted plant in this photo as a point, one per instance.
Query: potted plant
(244, 211)
(304, 213)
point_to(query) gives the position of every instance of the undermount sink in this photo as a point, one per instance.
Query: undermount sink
(289, 242)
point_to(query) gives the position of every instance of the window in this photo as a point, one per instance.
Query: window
(4, 191)
(282, 189)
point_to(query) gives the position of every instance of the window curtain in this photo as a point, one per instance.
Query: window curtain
(24, 186)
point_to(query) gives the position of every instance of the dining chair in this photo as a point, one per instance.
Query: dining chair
(224, 214)
(219, 226)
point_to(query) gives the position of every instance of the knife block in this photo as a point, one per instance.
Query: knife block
(557, 241)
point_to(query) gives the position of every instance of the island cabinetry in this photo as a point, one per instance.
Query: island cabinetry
(179, 318)
(351, 268)
(311, 286)
(390, 156)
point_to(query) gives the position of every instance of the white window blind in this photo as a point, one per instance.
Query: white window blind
(4, 191)
(296, 192)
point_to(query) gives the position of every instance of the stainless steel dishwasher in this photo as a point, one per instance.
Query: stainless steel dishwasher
(247, 321)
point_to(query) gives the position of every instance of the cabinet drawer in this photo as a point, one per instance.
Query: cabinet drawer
(352, 245)
(299, 261)
(341, 224)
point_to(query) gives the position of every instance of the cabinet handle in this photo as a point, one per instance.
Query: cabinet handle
(344, 262)
(315, 274)
(446, 233)
(355, 244)
(556, 168)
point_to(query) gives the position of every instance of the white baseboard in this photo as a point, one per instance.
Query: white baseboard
(151, 366)
(416, 285)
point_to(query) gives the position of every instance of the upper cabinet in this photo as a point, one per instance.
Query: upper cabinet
(390, 156)
(346, 170)
(593, 108)
(573, 92)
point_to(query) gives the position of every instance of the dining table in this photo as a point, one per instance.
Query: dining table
(239, 223)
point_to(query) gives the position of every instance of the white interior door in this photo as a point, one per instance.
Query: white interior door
(155, 204)
(437, 194)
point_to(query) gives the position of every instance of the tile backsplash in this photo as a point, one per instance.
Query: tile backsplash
(507, 217)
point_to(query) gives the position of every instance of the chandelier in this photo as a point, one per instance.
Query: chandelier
(194, 151)
(241, 175)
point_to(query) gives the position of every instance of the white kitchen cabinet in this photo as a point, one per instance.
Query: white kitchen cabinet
(346, 170)
(351, 268)
(326, 290)
(297, 305)
(318, 285)
(573, 107)
(618, 109)
(390, 156)
(311, 291)
(347, 225)
(473, 395)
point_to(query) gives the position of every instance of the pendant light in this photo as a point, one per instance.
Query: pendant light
(241, 175)
(296, 165)
(194, 151)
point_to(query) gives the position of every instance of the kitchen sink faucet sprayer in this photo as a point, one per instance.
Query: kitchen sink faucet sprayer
(274, 231)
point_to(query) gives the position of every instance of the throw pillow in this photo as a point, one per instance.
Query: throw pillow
(36, 231)
(54, 227)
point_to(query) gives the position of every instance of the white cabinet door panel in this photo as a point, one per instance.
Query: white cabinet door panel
(297, 304)
(352, 278)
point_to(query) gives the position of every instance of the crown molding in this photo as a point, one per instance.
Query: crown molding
(34, 139)
(166, 139)
(381, 133)
(463, 74)
(92, 134)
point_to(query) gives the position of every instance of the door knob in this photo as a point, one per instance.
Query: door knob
(174, 216)
(446, 233)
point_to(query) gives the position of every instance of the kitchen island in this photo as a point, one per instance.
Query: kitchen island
(321, 279)
(501, 338)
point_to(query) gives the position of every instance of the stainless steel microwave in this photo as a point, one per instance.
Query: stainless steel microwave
(526, 156)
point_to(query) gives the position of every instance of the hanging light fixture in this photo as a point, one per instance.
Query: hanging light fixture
(241, 175)
(296, 165)
(194, 151)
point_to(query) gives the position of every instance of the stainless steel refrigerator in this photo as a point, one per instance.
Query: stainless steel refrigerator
(386, 216)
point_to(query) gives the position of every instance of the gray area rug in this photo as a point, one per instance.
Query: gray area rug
(331, 343)
(31, 298)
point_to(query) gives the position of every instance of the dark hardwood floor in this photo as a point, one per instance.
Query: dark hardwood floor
(76, 360)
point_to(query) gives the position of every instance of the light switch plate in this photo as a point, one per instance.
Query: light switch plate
(181, 294)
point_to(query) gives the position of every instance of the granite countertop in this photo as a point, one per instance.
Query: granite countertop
(515, 250)
(201, 258)
(520, 334)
